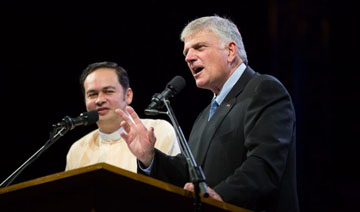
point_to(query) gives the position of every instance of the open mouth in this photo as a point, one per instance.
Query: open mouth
(197, 70)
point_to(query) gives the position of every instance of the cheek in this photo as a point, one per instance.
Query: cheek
(217, 66)
(117, 101)
(90, 104)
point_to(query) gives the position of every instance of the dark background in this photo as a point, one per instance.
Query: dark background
(311, 46)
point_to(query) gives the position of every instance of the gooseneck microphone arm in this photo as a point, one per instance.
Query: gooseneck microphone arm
(196, 174)
(50, 142)
(58, 130)
(54, 136)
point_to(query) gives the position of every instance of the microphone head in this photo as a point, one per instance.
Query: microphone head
(177, 84)
(92, 117)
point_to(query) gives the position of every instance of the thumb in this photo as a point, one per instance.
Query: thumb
(152, 135)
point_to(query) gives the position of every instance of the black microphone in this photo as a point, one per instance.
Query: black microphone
(173, 87)
(86, 118)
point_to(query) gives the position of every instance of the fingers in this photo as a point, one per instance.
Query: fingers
(189, 187)
(133, 114)
(125, 126)
(212, 193)
(125, 137)
(152, 136)
(124, 116)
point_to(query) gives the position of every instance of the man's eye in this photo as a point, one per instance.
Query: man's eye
(91, 94)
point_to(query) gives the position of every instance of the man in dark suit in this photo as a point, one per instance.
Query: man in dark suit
(244, 140)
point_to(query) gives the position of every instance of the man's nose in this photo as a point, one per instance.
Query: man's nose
(100, 99)
(190, 56)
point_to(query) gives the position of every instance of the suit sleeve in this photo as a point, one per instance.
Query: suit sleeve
(171, 169)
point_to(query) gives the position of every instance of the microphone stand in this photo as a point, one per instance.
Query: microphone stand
(55, 134)
(196, 174)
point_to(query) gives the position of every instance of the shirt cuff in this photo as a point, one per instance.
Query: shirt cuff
(145, 170)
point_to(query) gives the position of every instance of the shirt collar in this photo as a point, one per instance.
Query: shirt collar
(229, 84)
(114, 136)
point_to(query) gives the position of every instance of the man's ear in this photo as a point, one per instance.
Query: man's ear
(232, 50)
(129, 96)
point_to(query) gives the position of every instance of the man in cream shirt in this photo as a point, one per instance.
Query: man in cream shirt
(106, 87)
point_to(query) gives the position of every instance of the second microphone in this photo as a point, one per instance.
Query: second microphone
(173, 87)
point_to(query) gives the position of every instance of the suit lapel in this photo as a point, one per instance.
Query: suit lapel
(209, 128)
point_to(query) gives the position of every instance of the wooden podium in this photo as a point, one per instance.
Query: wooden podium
(102, 187)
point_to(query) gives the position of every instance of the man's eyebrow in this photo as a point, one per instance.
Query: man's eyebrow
(108, 87)
(195, 45)
(91, 91)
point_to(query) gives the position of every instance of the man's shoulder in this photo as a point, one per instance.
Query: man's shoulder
(86, 139)
(156, 123)
(261, 82)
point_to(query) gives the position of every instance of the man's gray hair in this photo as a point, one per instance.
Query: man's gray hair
(222, 27)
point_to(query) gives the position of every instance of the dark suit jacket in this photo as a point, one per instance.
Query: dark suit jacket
(246, 150)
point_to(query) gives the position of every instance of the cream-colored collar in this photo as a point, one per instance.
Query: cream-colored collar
(114, 136)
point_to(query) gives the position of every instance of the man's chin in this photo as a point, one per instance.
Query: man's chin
(200, 84)
(103, 117)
